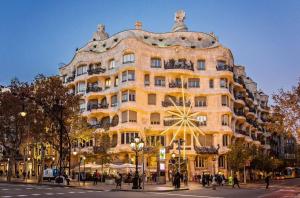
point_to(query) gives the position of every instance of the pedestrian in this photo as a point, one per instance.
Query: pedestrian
(235, 181)
(223, 179)
(66, 178)
(203, 180)
(96, 177)
(119, 180)
(185, 179)
(267, 180)
(24, 174)
(177, 180)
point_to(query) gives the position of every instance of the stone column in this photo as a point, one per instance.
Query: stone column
(192, 171)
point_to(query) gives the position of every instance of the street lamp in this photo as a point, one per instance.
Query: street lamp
(137, 145)
(83, 158)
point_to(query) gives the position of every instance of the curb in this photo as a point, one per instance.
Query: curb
(169, 190)
(83, 188)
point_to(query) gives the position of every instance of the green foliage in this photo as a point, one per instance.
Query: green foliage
(238, 155)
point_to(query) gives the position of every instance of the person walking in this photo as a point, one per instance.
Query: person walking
(177, 180)
(235, 181)
(267, 180)
(96, 177)
(203, 180)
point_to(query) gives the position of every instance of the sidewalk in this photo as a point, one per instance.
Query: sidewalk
(104, 187)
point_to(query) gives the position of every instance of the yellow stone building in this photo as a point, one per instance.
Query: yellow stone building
(137, 83)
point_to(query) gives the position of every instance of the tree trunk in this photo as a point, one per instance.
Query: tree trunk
(9, 171)
(40, 180)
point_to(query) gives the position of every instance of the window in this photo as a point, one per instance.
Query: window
(114, 100)
(128, 95)
(128, 58)
(221, 161)
(206, 140)
(211, 83)
(151, 99)
(128, 75)
(116, 81)
(155, 140)
(223, 83)
(81, 70)
(225, 120)
(155, 118)
(201, 65)
(132, 116)
(82, 105)
(221, 63)
(200, 162)
(107, 83)
(202, 119)
(147, 80)
(111, 64)
(194, 82)
(131, 75)
(225, 140)
(225, 101)
(160, 81)
(156, 62)
(81, 87)
(200, 101)
(124, 116)
(128, 137)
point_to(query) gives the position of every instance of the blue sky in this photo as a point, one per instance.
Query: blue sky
(36, 36)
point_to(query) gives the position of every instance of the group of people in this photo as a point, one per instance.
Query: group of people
(207, 179)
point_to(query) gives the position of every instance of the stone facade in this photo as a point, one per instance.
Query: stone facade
(126, 81)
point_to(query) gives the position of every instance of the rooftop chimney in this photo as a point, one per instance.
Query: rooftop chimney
(138, 25)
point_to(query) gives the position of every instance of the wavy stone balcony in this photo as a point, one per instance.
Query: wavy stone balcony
(169, 103)
(97, 70)
(239, 112)
(224, 68)
(171, 122)
(239, 131)
(70, 79)
(93, 89)
(177, 85)
(91, 107)
(206, 150)
(179, 64)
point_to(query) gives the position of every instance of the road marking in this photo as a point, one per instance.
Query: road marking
(29, 188)
(71, 192)
(6, 196)
(35, 194)
(183, 195)
(22, 195)
(60, 193)
(49, 193)
(81, 192)
(4, 189)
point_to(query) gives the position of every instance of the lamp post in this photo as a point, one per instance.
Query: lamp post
(137, 145)
(75, 154)
(83, 158)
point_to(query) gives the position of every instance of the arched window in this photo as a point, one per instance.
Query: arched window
(155, 118)
(115, 121)
(128, 58)
(225, 120)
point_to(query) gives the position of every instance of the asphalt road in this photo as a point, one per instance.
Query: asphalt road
(288, 188)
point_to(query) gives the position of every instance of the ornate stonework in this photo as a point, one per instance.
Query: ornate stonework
(100, 34)
(179, 25)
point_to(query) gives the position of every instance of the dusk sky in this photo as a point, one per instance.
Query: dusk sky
(37, 36)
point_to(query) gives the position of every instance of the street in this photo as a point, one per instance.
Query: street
(287, 188)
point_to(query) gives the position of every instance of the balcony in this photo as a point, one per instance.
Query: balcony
(179, 64)
(70, 79)
(239, 131)
(224, 68)
(239, 97)
(171, 122)
(239, 112)
(206, 150)
(93, 89)
(239, 80)
(253, 123)
(90, 107)
(254, 137)
(169, 103)
(250, 95)
(96, 70)
(177, 85)
(252, 110)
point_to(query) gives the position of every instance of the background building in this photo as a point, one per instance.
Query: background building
(129, 82)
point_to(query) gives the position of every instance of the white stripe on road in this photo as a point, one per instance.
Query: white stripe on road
(60, 193)
(49, 193)
(35, 194)
(22, 195)
(183, 195)
(7, 196)
(4, 189)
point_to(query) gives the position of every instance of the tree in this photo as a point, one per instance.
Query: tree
(238, 155)
(287, 105)
(13, 124)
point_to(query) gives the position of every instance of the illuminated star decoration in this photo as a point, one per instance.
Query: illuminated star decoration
(184, 118)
